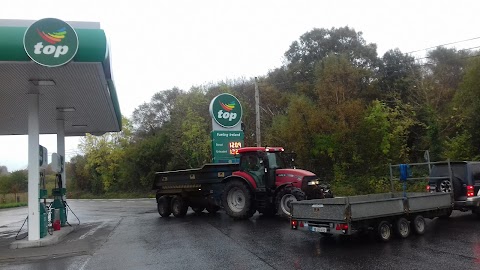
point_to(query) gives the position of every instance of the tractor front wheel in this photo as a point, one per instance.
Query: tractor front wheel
(284, 200)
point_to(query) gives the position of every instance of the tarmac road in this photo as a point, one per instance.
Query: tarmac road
(129, 234)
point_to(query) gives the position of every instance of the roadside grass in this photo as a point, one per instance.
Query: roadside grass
(12, 200)
(110, 195)
(12, 205)
(8, 200)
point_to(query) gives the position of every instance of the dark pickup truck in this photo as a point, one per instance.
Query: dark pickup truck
(463, 180)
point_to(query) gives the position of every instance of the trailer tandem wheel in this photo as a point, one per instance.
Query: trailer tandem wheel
(402, 227)
(163, 206)
(384, 231)
(179, 206)
(418, 225)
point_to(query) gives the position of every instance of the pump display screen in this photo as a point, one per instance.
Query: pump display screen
(233, 147)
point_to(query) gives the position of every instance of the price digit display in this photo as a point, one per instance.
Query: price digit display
(233, 147)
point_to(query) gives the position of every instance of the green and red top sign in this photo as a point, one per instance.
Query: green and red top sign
(226, 110)
(50, 42)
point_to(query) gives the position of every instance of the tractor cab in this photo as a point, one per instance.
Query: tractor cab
(261, 163)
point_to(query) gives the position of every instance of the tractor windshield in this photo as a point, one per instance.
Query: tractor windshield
(275, 160)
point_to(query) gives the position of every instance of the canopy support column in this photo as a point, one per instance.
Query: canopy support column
(33, 167)
(61, 149)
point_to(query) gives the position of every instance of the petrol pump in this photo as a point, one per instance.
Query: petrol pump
(42, 194)
(59, 191)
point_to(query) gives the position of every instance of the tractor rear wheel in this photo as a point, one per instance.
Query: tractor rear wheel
(237, 199)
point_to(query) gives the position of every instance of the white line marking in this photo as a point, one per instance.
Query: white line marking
(92, 231)
(84, 264)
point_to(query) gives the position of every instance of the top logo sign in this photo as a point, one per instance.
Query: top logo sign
(226, 110)
(50, 42)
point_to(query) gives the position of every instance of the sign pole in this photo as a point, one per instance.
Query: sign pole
(257, 113)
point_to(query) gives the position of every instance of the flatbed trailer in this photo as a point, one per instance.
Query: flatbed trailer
(384, 213)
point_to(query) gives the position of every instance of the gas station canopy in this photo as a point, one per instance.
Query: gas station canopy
(55, 78)
(81, 92)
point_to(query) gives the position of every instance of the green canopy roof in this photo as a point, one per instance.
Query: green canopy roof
(81, 92)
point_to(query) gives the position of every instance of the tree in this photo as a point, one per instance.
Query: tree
(4, 186)
(191, 146)
(103, 157)
(149, 117)
(142, 159)
(313, 46)
(465, 143)
(338, 80)
(399, 76)
(296, 129)
(444, 71)
(78, 174)
(18, 182)
(195, 140)
(189, 119)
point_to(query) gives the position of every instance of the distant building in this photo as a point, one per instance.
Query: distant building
(4, 170)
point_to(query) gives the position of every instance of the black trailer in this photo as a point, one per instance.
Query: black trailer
(199, 188)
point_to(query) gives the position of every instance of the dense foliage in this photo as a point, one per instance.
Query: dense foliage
(344, 110)
(14, 183)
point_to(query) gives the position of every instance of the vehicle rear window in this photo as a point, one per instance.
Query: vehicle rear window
(459, 170)
(475, 171)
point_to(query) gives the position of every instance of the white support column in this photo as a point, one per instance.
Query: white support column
(33, 168)
(61, 148)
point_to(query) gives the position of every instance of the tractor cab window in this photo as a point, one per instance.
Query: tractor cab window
(254, 165)
(251, 162)
(275, 160)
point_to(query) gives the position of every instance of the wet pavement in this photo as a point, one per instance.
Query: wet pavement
(129, 234)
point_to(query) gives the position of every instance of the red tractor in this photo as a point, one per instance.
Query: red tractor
(260, 182)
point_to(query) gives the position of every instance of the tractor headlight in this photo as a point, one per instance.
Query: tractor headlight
(313, 183)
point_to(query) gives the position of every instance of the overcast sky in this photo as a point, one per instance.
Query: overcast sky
(156, 45)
